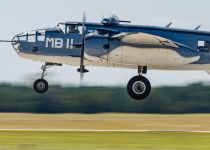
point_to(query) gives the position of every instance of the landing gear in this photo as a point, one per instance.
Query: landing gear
(41, 85)
(139, 87)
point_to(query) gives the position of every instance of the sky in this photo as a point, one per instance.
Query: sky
(25, 15)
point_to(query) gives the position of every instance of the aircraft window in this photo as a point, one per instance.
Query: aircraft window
(73, 29)
(204, 46)
(201, 43)
(54, 30)
(41, 38)
(23, 38)
(61, 28)
(31, 39)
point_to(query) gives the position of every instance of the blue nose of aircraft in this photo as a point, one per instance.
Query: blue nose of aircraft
(22, 41)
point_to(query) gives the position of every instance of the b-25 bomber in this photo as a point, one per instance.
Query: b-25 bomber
(115, 43)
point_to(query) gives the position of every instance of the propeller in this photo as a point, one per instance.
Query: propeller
(13, 42)
(82, 69)
(6, 41)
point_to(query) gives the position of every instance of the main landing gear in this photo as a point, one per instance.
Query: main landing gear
(41, 85)
(139, 87)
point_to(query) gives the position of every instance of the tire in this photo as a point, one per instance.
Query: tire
(40, 86)
(139, 88)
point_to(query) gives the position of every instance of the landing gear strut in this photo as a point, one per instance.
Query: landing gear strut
(139, 87)
(41, 85)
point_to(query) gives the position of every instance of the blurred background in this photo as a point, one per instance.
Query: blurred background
(193, 98)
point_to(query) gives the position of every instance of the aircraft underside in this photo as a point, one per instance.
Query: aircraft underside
(75, 61)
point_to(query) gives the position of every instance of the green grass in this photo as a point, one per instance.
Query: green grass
(46, 140)
(31, 140)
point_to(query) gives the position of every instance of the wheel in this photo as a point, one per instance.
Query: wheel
(139, 87)
(40, 86)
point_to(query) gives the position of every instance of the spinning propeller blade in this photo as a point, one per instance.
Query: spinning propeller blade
(82, 69)
(5, 41)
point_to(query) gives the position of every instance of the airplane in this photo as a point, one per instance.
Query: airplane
(115, 43)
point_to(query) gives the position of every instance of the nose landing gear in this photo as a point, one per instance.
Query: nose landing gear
(41, 85)
(139, 87)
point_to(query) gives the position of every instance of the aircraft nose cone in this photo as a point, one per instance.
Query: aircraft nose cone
(16, 43)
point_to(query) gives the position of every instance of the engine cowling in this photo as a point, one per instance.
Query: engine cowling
(98, 47)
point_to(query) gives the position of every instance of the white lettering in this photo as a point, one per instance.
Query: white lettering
(72, 44)
(67, 44)
(48, 41)
(58, 43)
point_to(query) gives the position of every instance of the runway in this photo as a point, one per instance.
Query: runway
(123, 131)
(193, 123)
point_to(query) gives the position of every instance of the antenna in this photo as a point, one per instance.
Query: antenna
(169, 25)
(124, 21)
(198, 27)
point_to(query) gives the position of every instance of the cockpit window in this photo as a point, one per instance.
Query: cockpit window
(61, 28)
(55, 30)
(72, 29)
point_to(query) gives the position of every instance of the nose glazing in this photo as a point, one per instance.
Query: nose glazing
(16, 43)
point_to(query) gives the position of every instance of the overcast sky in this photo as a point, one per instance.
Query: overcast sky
(23, 15)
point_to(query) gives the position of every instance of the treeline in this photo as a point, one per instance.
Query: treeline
(171, 100)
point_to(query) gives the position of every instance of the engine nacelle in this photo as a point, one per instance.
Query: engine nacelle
(97, 45)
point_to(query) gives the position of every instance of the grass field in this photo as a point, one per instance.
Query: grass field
(77, 140)
(28, 140)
